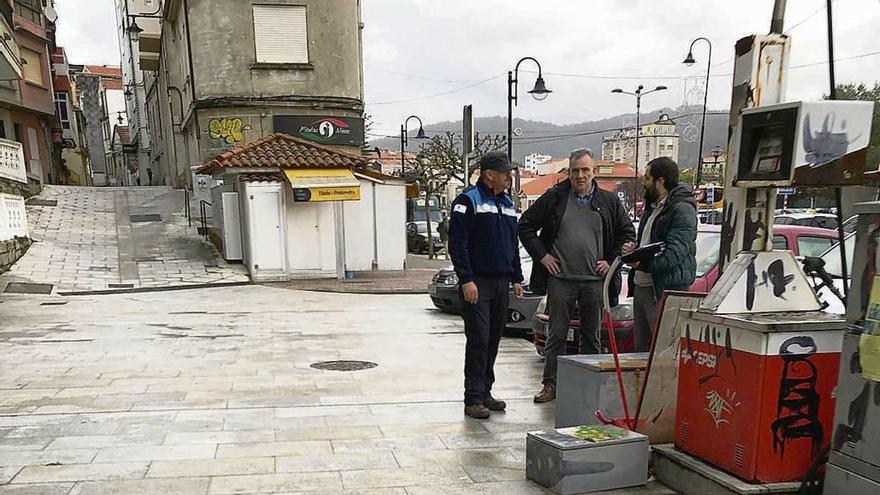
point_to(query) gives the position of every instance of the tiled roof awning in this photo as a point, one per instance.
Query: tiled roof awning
(282, 151)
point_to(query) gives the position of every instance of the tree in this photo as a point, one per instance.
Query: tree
(439, 161)
(864, 93)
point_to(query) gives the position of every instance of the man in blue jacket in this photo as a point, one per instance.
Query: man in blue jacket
(485, 254)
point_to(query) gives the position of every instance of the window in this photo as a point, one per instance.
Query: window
(30, 10)
(813, 246)
(780, 242)
(34, 146)
(281, 34)
(62, 109)
(32, 66)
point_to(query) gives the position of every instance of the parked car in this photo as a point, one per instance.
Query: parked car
(831, 257)
(417, 237)
(443, 290)
(807, 219)
(802, 241)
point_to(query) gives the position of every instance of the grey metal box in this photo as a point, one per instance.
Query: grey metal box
(839, 481)
(587, 383)
(569, 465)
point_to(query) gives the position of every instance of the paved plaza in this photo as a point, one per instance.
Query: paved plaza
(89, 239)
(212, 391)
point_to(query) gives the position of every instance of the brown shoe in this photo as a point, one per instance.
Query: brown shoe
(546, 394)
(493, 404)
(476, 411)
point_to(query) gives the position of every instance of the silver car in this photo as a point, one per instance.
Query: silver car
(443, 290)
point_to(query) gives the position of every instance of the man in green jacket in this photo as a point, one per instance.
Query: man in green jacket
(670, 217)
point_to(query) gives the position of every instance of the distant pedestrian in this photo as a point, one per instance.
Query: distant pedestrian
(582, 229)
(485, 254)
(670, 217)
(443, 232)
(150, 177)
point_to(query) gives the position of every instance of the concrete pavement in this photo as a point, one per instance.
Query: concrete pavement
(212, 391)
(107, 238)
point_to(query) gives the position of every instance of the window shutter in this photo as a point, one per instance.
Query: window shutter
(281, 34)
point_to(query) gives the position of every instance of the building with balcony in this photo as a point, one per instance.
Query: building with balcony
(139, 50)
(656, 139)
(72, 142)
(27, 101)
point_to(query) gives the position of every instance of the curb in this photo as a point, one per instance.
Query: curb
(356, 290)
(105, 292)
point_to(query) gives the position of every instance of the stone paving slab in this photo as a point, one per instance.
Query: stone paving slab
(211, 391)
(87, 243)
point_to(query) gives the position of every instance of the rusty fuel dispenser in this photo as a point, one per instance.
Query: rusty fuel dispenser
(758, 358)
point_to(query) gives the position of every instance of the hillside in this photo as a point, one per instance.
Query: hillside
(559, 140)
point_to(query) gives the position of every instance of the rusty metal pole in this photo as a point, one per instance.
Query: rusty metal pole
(778, 17)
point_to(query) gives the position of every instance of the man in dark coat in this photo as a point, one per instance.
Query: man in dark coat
(574, 231)
(670, 217)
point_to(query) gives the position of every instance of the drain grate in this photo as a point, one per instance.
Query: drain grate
(27, 288)
(99, 269)
(343, 365)
(150, 217)
(120, 286)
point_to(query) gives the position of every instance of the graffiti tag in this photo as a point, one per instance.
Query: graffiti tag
(717, 405)
(229, 130)
(797, 410)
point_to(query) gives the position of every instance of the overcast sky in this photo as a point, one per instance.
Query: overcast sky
(461, 50)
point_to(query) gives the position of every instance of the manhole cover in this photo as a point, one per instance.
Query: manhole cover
(42, 202)
(343, 365)
(151, 217)
(26, 288)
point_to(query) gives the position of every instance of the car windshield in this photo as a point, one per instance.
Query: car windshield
(422, 228)
(420, 216)
(832, 257)
(708, 245)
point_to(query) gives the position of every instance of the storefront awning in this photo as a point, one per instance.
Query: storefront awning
(325, 184)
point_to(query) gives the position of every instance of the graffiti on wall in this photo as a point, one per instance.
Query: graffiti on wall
(719, 406)
(230, 131)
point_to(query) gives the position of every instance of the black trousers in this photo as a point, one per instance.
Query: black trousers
(484, 323)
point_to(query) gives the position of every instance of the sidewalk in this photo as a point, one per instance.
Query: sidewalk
(98, 239)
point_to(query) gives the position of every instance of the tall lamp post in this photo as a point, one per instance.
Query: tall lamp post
(689, 61)
(638, 93)
(538, 92)
(404, 140)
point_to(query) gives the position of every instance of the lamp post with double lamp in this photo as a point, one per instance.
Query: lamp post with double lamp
(689, 61)
(716, 152)
(404, 140)
(638, 93)
(538, 92)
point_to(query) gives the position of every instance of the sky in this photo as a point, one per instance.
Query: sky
(430, 58)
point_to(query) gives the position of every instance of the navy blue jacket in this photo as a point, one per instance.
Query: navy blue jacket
(482, 235)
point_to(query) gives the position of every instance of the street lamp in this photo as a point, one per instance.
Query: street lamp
(638, 93)
(689, 61)
(404, 141)
(538, 92)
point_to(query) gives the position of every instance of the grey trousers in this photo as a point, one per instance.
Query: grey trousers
(561, 298)
(645, 314)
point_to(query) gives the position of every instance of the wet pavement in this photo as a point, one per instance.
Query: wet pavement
(110, 238)
(212, 391)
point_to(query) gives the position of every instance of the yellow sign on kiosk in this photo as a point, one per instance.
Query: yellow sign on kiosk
(323, 184)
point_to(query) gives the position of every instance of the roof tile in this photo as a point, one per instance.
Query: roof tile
(283, 151)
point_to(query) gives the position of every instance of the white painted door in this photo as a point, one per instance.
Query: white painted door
(303, 222)
(268, 235)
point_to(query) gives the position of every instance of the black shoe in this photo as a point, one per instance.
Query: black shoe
(477, 411)
(493, 404)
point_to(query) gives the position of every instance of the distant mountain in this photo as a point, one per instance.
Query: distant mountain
(560, 140)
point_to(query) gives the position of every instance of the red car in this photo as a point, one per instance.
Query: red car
(802, 241)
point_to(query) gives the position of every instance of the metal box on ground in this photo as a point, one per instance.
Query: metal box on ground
(755, 391)
(587, 383)
(569, 464)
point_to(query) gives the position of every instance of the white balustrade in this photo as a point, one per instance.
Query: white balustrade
(13, 217)
(12, 164)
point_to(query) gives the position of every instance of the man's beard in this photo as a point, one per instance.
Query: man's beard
(651, 195)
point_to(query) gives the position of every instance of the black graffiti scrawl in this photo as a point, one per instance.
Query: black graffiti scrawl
(776, 277)
(751, 284)
(728, 233)
(797, 410)
(751, 229)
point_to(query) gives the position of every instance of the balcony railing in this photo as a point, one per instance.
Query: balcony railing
(13, 217)
(12, 164)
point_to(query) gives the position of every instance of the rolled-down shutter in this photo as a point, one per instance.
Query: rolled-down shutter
(281, 34)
